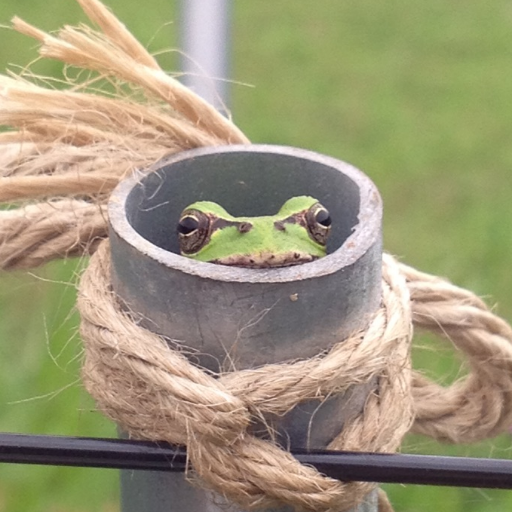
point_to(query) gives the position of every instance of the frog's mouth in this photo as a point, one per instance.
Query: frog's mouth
(266, 259)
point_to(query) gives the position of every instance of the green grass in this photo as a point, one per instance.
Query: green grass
(416, 94)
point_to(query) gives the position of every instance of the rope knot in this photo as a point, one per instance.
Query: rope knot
(154, 393)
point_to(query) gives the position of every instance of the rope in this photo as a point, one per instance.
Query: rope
(37, 233)
(154, 393)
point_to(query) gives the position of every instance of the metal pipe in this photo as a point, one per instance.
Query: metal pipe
(300, 310)
(205, 43)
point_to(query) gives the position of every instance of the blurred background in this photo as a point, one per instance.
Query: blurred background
(415, 93)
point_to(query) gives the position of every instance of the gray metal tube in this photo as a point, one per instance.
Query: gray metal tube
(205, 42)
(300, 310)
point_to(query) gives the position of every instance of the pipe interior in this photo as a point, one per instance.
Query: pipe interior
(245, 184)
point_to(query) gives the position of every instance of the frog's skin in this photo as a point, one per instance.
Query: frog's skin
(296, 234)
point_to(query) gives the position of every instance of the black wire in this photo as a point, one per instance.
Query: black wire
(369, 467)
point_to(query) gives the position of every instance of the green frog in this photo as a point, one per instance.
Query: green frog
(296, 234)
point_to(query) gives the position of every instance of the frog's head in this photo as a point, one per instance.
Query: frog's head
(296, 234)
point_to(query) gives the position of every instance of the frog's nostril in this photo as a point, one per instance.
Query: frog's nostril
(244, 227)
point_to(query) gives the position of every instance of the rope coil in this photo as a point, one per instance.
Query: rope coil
(154, 393)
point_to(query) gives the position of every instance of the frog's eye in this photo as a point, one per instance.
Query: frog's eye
(318, 222)
(323, 218)
(193, 230)
(187, 225)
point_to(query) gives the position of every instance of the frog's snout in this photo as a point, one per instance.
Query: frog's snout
(244, 227)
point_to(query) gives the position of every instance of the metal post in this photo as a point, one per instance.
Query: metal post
(301, 310)
(204, 40)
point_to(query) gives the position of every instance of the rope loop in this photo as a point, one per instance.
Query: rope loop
(154, 393)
